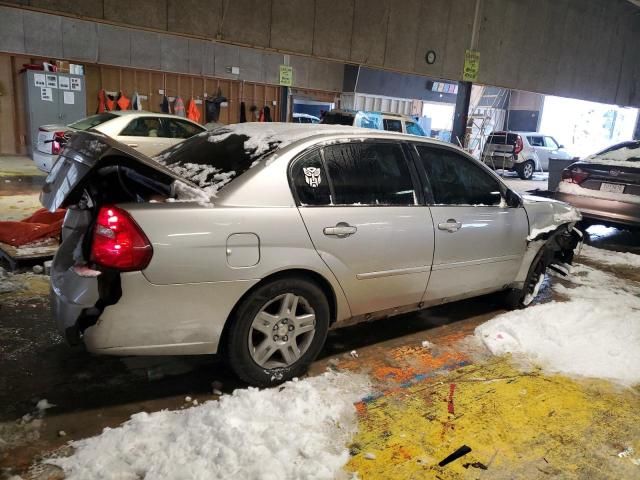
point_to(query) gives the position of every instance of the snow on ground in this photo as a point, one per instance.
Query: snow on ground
(299, 430)
(608, 257)
(596, 333)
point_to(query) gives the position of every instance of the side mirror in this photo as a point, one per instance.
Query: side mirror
(512, 198)
(560, 146)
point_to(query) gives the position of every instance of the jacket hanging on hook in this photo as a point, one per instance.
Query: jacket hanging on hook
(178, 107)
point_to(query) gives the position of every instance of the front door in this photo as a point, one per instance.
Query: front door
(360, 205)
(479, 241)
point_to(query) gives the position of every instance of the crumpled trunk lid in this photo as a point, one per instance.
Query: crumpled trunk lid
(85, 154)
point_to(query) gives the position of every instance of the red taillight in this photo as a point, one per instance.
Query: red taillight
(519, 146)
(118, 241)
(574, 175)
(57, 142)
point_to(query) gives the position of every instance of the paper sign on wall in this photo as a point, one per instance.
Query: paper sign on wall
(69, 98)
(46, 94)
(75, 84)
(38, 80)
(52, 81)
(286, 75)
(63, 83)
(471, 66)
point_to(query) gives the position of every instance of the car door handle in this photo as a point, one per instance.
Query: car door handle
(450, 226)
(133, 145)
(341, 230)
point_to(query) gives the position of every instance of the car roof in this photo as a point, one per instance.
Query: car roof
(286, 134)
(144, 113)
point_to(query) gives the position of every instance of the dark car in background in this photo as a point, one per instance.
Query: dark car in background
(605, 186)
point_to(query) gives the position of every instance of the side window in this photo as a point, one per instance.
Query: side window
(536, 141)
(414, 129)
(455, 180)
(392, 125)
(369, 174)
(310, 180)
(180, 128)
(549, 142)
(143, 127)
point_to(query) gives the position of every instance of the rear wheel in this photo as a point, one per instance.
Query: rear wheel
(277, 331)
(525, 170)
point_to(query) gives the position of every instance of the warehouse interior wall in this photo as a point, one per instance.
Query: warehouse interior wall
(543, 46)
(14, 138)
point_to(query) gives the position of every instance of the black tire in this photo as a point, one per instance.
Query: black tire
(515, 298)
(525, 170)
(237, 353)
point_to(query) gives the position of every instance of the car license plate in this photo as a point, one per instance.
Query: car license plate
(611, 187)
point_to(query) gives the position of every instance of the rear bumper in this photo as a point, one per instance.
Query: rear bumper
(180, 319)
(44, 161)
(499, 162)
(603, 210)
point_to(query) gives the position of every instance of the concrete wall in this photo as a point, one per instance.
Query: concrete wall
(34, 33)
(578, 48)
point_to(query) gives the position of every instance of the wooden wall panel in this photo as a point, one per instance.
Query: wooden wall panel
(8, 127)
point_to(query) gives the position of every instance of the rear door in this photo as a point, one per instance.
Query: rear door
(179, 130)
(146, 134)
(360, 204)
(479, 241)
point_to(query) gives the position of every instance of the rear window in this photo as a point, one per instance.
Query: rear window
(502, 138)
(92, 121)
(212, 160)
(337, 118)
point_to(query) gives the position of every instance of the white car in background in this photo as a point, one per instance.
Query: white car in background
(305, 118)
(522, 152)
(147, 132)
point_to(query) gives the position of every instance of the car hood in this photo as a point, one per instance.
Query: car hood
(84, 154)
(546, 215)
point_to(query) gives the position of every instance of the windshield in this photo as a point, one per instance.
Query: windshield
(92, 121)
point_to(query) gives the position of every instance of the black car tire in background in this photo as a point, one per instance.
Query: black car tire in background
(525, 170)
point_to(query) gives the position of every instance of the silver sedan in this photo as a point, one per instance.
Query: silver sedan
(254, 240)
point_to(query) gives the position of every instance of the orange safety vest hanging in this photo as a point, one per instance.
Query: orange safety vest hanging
(192, 111)
(123, 102)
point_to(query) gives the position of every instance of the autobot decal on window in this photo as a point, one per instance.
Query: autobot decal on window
(312, 176)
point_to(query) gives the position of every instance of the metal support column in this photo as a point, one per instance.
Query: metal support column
(460, 115)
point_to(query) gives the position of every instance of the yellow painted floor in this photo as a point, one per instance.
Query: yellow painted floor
(518, 424)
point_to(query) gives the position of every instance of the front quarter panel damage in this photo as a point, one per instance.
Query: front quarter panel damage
(552, 236)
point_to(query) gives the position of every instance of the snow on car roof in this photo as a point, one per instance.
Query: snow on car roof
(261, 135)
(627, 155)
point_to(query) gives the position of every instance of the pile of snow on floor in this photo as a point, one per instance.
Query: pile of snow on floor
(596, 333)
(299, 430)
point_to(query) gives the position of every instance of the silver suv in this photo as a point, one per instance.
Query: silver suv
(522, 152)
(253, 240)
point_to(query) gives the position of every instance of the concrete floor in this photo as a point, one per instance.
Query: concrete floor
(519, 425)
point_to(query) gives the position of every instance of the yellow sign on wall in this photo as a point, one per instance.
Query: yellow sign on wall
(471, 66)
(286, 75)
